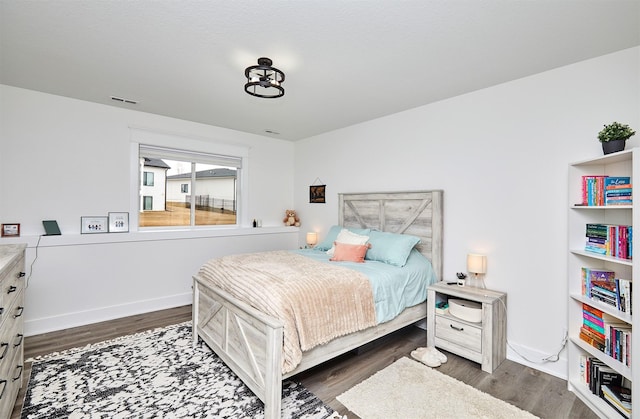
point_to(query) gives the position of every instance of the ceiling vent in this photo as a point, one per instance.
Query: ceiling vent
(123, 100)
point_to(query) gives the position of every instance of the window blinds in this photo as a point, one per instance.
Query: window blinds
(156, 152)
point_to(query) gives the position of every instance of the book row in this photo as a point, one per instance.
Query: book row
(606, 383)
(599, 190)
(609, 240)
(607, 334)
(603, 286)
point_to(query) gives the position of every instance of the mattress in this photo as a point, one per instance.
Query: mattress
(394, 288)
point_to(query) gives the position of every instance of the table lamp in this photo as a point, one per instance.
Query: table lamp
(477, 265)
(312, 238)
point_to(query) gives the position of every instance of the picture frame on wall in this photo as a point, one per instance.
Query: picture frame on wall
(317, 194)
(11, 230)
(118, 222)
(94, 225)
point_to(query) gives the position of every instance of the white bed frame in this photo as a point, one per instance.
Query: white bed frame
(250, 342)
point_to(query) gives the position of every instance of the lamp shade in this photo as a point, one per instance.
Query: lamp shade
(312, 238)
(476, 264)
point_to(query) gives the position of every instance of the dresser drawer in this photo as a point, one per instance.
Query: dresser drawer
(460, 333)
(11, 285)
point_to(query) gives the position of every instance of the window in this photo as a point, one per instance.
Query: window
(147, 178)
(187, 188)
(147, 203)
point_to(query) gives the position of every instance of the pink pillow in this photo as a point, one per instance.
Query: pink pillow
(349, 252)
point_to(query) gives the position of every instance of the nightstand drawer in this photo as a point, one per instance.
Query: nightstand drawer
(460, 333)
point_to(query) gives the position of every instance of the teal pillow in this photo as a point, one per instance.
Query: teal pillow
(332, 235)
(390, 248)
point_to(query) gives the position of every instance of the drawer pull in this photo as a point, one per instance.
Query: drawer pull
(11, 289)
(4, 387)
(1, 310)
(6, 348)
(21, 336)
(20, 311)
(459, 329)
(19, 369)
(21, 274)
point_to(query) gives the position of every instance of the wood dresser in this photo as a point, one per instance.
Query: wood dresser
(12, 278)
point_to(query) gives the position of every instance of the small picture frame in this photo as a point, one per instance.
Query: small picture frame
(316, 194)
(93, 225)
(11, 230)
(118, 222)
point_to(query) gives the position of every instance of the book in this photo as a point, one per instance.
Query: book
(617, 338)
(617, 181)
(590, 317)
(591, 338)
(594, 274)
(609, 239)
(625, 291)
(618, 397)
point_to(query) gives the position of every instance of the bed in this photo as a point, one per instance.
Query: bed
(252, 343)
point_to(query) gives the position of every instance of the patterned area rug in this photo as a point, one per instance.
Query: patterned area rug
(155, 374)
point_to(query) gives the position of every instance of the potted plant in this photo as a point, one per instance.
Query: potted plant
(614, 136)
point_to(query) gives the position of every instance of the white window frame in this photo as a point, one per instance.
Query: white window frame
(188, 146)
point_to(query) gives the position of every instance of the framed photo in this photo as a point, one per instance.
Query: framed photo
(10, 230)
(316, 194)
(93, 225)
(118, 222)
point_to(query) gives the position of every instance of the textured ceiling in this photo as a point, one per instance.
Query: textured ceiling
(346, 62)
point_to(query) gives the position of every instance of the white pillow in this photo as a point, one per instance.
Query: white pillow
(348, 237)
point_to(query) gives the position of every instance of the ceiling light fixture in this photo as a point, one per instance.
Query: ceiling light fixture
(264, 80)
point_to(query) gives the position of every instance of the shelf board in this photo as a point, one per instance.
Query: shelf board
(621, 315)
(597, 404)
(613, 363)
(601, 207)
(620, 156)
(592, 255)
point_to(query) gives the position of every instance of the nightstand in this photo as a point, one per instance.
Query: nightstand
(484, 342)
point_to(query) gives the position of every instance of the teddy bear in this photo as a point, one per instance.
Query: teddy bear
(291, 219)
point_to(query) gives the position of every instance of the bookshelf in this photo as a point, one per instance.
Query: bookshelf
(623, 163)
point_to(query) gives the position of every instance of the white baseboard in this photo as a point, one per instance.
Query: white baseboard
(534, 360)
(83, 318)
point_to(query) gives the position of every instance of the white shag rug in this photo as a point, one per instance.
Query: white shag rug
(408, 389)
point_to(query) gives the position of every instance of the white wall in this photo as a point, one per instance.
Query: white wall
(501, 156)
(63, 158)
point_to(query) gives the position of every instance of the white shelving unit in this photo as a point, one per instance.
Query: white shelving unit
(623, 163)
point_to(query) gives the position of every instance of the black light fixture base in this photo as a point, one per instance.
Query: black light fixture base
(263, 80)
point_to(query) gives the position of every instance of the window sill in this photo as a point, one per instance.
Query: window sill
(142, 236)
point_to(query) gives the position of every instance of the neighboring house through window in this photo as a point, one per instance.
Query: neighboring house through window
(183, 188)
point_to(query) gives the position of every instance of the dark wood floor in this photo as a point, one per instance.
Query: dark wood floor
(541, 394)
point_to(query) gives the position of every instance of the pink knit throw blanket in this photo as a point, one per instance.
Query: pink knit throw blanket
(316, 301)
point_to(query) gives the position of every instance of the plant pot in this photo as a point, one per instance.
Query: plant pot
(609, 147)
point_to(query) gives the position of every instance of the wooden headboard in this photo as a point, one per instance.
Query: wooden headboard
(416, 213)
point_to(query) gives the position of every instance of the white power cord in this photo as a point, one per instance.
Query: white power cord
(555, 357)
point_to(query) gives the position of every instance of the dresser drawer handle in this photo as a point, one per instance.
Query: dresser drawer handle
(6, 348)
(18, 368)
(21, 274)
(21, 336)
(11, 289)
(459, 329)
(1, 310)
(4, 387)
(20, 311)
